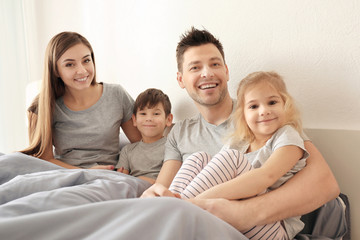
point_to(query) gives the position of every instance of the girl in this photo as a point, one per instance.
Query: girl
(265, 150)
(74, 113)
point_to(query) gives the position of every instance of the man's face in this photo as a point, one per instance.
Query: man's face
(204, 75)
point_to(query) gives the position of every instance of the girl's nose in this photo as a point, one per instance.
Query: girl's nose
(264, 111)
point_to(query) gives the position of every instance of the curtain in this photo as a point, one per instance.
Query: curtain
(14, 74)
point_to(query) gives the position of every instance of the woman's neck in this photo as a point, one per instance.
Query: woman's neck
(81, 100)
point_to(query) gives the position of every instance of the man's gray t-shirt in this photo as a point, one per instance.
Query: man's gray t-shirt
(193, 135)
(143, 159)
(91, 137)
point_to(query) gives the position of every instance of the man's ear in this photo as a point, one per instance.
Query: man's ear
(179, 78)
(169, 120)
(227, 72)
(134, 120)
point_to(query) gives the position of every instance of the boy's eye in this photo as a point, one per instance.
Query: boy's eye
(253, 106)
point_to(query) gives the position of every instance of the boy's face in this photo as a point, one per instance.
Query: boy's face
(151, 122)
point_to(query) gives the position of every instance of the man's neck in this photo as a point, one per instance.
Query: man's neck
(219, 113)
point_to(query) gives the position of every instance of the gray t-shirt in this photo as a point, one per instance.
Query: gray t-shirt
(284, 136)
(193, 135)
(91, 137)
(143, 159)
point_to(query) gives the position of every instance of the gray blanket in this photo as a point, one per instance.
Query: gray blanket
(40, 200)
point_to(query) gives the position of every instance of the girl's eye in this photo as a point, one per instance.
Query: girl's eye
(253, 106)
(272, 102)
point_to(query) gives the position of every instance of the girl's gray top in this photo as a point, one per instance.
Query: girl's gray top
(91, 137)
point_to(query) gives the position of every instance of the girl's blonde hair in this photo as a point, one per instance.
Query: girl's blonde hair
(52, 87)
(242, 132)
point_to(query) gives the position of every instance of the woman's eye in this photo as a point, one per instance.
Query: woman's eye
(68, 65)
(87, 60)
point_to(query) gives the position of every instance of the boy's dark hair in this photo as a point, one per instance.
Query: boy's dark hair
(192, 38)
(150, 98)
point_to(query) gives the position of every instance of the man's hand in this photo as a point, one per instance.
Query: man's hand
(227, 210)
(158, 190)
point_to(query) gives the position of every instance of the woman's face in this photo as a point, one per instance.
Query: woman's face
(76, 67)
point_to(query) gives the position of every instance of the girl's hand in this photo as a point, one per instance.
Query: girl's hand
(105, 167)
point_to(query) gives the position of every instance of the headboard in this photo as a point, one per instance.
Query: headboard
(341, 149)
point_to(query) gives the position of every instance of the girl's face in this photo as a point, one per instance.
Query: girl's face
(264, 110)
(76, 68)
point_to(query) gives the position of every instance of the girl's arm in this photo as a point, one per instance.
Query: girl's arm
(257, 180)
(131, 132)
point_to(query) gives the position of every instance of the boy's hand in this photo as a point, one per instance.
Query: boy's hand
(122, 170)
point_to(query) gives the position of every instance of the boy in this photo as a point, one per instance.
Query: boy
(151, 115)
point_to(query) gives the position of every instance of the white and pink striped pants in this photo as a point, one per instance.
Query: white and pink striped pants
(200, 172)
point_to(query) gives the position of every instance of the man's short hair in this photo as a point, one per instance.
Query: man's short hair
(192, 38)
(150, 98)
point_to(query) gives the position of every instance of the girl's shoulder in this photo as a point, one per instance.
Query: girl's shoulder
(286, 135)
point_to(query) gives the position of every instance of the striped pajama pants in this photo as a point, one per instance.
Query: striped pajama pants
(200, 172)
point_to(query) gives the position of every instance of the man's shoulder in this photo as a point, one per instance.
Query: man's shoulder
(188, 122)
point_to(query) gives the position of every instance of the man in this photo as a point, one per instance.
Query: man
(202, 71)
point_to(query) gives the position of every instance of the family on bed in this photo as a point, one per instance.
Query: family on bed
(251, 148)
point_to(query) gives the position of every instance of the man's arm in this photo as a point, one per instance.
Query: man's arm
(163, 181)
(306, 191)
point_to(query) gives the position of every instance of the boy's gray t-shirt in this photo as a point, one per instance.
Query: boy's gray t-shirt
(91, 137)
(143, 159)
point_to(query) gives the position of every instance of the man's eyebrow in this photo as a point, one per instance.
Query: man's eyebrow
(215, 59)
(197, 61)
(193, 63)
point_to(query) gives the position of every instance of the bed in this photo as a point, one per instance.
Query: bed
(49, 202)
(40, 200)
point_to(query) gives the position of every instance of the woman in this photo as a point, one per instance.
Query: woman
(75, 114)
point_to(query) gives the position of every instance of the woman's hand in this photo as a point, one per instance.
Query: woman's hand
(105, 167)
